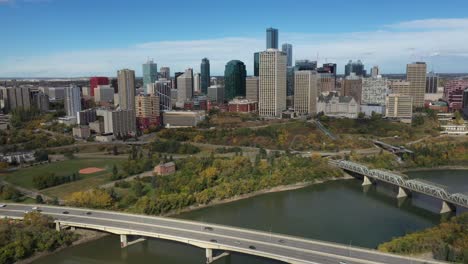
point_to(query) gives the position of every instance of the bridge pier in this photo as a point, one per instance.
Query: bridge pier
(401, 193)
(123, 241)
(445, 208)
(366, 181)
(57, 226)
(210, 258)
(126, 240)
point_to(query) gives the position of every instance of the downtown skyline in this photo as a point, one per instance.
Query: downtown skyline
(437, 38)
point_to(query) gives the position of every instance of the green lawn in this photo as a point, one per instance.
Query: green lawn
(24, 177)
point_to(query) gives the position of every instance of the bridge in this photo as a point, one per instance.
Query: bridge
(217, 240)
(393, 149)
(449, 202)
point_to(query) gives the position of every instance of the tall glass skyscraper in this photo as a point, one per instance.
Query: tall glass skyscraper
(205, 75)
(356, 67)
(272, 38)
(287, 48)
(234, 79)
(256, 63)
(150, 74)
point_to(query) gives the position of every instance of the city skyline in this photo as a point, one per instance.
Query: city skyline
(391, 42)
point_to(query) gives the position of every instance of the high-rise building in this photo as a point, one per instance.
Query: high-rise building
(126, 82)
(256, 63)
(287, 48)
(374, 90)
(326, 83)
(205, 75)
(84, 117)
(176, 75)
(416, 75)
(40, 101)
(103, 94)
(272, 83)
(305, 92)
(185, 86)
(399, 106)
(234, 79)
(356, 67)
(95, 81)
(251, 88)
(147, 111)
(289, 81)
(432, 83)
(353, 87)
(375, 71)
(118, 122)
(72, 100)
(216, 93)
(453, 92)
(272, 38)
(165, 73)
(15, 97)
(305, 65)
(163, 90)
(150, 74)
(197, 82)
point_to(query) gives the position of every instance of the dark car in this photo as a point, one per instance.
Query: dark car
(88, 213)
(207, 228)
(65, 212)
(214, 240)
(281, 241)
(252, 247)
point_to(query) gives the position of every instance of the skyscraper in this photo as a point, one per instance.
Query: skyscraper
(305, 65)
(272, 83)
(416, 75)
(95, 81)
(126, 82)
(165, 72)
(287, 48)
(256, 63)
(196, 82)
(234, 79)
(356, 67)
(374, 90)
(272, 38)
(163, 90)
(375, 71)
(72, 100)
(176, 75)
(251, 88)
(353, 87)
(150, 74)
(185, 86)
(205, 75)
(289, 81)
(305, 92)
(432, 83)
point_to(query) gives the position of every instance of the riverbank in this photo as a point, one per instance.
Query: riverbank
(281, 188)
(85, 237)
(445, 167)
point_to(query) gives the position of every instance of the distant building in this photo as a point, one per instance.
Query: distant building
(242, 106)
(287, 48)
(453, 93)
(56, 93)
(432, 83)
(163, 90)
(416, 76)
(12, 98)
(185, 86)
(204, 75)
(40, 101)
(272, 83)
(400, 87)
(289, 81)
(118, 122)
(305, 65)
(126, 82)
(374, 90)
(165, 73)
(165, 169)
(369, 109)
(375, 71)
(86, 91)
(306, 87)
(82, 132)
(150, 74)
(353, 87)
(272, 38)
(251, 88)
(356, 67)
(326, 83)
(147, 111)
(338, 106)
(256, 64)
(183, 118)
(103, 93)
(197, 82)
(234, 79)
(97, 126)
(95, 81)
(399, 106)
(216, 93)
(87, 116)
(72, 100)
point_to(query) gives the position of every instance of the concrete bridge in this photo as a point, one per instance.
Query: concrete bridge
(217, 240)
(404, 187)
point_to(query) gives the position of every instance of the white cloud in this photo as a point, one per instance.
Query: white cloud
(443, 47)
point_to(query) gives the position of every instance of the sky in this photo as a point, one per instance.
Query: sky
(80, 38)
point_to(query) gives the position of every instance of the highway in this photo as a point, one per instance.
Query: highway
(210, 236)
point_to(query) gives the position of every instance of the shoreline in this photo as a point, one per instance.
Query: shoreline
(85, 237)
(438, 168)
(280, 188)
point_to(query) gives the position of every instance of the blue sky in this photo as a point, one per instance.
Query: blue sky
(70, 38)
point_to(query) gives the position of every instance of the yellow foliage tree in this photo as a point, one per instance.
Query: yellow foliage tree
(95, 198)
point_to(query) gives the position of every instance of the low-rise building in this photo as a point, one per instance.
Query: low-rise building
(147, 111)
(338, 106)
(87, 116)
(104, 138)
(183, 118)
(376, 109)
(18, 157)
(454, 129)
(165, 169)
(82, 132)
(97, 127)
(242, 106)
(68, 120)
(216, 93)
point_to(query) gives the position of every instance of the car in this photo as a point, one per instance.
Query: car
(214, 240)
(35, 208)
(2, 205)
(65, 212)
(27, 211)
(237, 242)
(207, 228)
(88, 213)
(281, 241)
(252, 247)
(342, 262)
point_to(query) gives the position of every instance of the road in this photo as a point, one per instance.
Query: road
(275, 246)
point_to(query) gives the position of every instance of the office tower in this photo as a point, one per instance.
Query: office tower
(216, 93)
(287, 48)
(272, 83)
(326, 82)
(163, 90)
(15, 97)
(234, 79)
(176, 75)
(114, 83)
(329, 68)
(197, 82)
(84, 117)
(305, 92)
(72, 100)
(126, 82)
(147, 111)
(416, 76)
(103, 94)
(213, 81)
(40, 101)
(353, 87)
(185, 86)
(305, 65)
(289, 81)
(205, 75)
(150, 74)
(165, 72)
(453, 93)
(399, 106)
(251, 88)
(375, 71)
(374, 90)
(119, 122)
(432, 83)
(256, 63)
(95, 81)
(272, 38)
(356, 67)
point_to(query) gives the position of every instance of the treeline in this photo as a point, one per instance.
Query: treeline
(36, 233)
(447, 241)
(8, 192)
(43, 181)
(173, 146)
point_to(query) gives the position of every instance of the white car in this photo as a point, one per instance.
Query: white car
(2, 205)
(35, 208)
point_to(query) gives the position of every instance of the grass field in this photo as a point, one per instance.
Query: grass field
(24, 177)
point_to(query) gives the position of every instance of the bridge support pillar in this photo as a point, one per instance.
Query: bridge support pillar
(57, 226)
(401, 193)
(445, 208)
(123, 241)
(366, 181)
(209, 255)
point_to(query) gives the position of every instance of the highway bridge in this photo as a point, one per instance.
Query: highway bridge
(448, 202)
(217, 240)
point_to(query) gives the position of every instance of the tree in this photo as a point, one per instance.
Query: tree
(115, 150)
(39, 199)
(115, 172)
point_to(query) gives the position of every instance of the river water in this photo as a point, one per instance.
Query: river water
(339, 211)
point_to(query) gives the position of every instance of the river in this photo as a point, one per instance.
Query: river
(338, 211)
